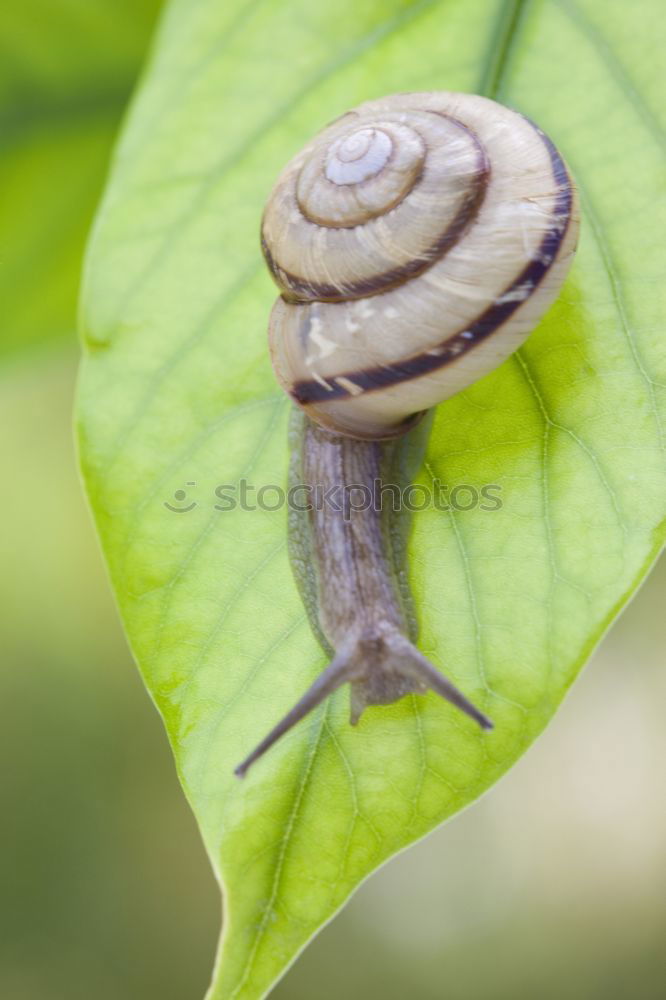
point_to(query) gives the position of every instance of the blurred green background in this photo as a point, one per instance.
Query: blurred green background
(551, 886)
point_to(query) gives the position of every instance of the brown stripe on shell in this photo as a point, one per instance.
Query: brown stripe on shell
(297, 290)
(380, 377)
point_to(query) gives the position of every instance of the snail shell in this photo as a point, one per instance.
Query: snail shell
(416, 242)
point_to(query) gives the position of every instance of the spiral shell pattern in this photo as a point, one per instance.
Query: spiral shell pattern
(416, 241)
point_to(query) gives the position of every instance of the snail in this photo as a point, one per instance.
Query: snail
(415, 241)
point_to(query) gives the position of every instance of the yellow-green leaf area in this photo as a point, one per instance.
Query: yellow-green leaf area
(177, 394)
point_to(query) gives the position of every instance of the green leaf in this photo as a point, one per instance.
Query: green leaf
(66, 69)
(176, 389)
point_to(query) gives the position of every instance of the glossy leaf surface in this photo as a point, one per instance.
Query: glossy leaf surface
(177, 394)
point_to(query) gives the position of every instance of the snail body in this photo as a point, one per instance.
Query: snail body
(416, 241)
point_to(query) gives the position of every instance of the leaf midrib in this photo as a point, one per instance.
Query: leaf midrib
(509, 21)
